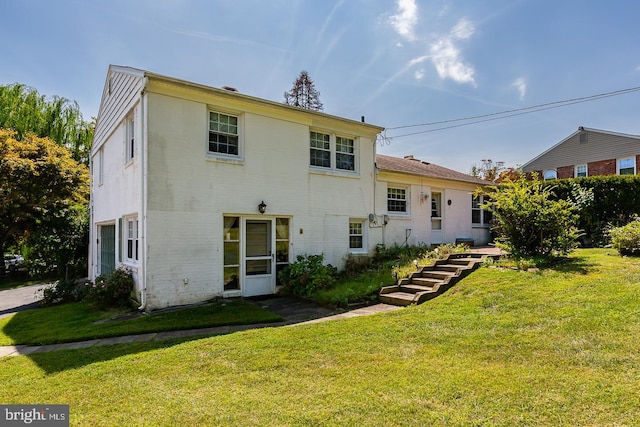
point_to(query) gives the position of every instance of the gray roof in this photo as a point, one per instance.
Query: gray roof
(417, 167)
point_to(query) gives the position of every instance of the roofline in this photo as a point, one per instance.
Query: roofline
(224, 92)
(471, 180)
(580, 129)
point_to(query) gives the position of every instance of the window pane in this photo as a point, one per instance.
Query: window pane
(282, 228)
(231, 253)
(355, 242)
(231, 278)
(258, 266)
(320, 158)
(231, 228)
(475, 216)
(550, 174)
(396, 200)
(223, 133)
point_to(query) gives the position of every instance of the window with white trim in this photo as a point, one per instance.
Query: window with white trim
(131, 239)
(550, 174)
(627, 166)
(479, 216)
(129, 130)
(100, 166)
(356, 234)
(332, 152)
(223, 134)
(581, 171)
(396, 200)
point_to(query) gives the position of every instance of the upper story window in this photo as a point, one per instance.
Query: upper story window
(396, 200)
(627, 166)
(581, 171)
(332, 152)
(223, 134)
(130, 146)
(550, 174)
(480, 216)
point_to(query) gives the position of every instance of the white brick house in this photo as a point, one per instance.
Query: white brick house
(205, 192)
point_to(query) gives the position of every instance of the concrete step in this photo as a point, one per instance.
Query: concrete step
(414, 288)
(397, 298)
(426, 281)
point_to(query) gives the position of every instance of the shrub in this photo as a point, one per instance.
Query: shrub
(307, 275)
(111, 290)
(63, 291)
(626, 239)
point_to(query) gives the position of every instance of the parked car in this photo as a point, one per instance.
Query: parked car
(13, 262)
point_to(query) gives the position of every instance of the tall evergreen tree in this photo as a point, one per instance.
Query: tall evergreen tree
(303, 94)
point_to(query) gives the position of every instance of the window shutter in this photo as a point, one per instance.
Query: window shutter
(119, 243)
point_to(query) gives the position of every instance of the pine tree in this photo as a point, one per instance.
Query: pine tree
(303, 94)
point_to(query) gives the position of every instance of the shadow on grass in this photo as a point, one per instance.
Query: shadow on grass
(58, 361)
(576, 265)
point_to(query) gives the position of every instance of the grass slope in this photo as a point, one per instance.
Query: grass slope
(502, 348)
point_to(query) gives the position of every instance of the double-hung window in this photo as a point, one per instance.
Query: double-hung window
(356, 235)
(223, 134)
(627, 166)
(581, 171)
(332, 152)
(129, 130)
(131, 239)
(396, 200)
(479, 216)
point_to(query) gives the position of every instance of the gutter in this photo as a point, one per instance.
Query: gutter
(142, 230)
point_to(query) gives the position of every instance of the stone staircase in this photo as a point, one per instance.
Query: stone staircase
(431, 280)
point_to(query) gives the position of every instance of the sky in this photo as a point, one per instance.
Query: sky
(397, 63)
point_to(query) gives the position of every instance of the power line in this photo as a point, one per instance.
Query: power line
(511, 113)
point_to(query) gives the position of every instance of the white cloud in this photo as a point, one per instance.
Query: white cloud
(447, 58)
(419, 74)
(521, 85)
(406, 18)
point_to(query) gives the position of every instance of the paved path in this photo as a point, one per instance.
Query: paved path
(20, 299)
(294, 312)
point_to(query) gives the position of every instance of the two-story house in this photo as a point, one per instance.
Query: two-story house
(205, 192)
(588, 152)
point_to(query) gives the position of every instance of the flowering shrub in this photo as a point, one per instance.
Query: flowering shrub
(307, 275)
(111, 290)
(626, 239)
(61, 292)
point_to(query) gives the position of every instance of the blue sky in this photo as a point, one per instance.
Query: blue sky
(397, 63)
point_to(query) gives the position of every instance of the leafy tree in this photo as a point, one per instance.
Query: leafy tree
(303, 94)
(488, 170)
(24, 110)
(529, 222)
(39, 183)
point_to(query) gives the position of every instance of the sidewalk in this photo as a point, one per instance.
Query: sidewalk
(295, 312)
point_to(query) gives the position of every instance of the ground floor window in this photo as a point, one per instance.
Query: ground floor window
(131, 239)
(282, 246)
(480, 216)
(627, 166)
(356, 234)
(397, 200)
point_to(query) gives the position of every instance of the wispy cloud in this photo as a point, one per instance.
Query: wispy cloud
(405, 20)
(521, 86)
(446, 55)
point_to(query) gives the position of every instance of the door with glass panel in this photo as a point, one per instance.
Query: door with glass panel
(437, 236)
(259, 257)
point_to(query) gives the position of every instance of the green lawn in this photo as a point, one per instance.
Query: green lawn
(78, 322)
(502, 348)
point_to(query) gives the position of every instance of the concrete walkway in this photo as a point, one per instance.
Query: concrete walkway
(295, 312)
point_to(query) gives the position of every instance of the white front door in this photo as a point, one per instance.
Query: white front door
(437, 236)
(259, 257)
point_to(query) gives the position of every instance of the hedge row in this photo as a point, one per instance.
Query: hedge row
(616, 201)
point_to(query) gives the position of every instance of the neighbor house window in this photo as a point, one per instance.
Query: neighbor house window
(356, 236)
(550, 174)
(130, 146)
(320, 153)
(480, 216)
(627, 166)
(332, 152)
(396, 200)
(223, 134)
(581, 171)
(131, 234)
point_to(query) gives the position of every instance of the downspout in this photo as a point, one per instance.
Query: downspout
(142, 277)
(375, 180)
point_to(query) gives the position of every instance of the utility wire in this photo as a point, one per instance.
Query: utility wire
(510, 113)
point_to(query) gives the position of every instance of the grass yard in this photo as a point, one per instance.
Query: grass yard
(79, 322)
(502, 348)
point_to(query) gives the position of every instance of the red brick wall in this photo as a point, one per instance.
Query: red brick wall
(565, 172)
(603, 167)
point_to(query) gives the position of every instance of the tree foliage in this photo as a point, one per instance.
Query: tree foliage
(530, 221)
(24, 110)
(41, 187)
(303, 94)
(488, 170)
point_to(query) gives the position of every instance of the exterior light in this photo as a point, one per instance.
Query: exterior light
(262, 207)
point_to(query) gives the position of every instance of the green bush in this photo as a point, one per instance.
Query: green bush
(626, 239)
(63, 291)
(307, 275)
(111, 290)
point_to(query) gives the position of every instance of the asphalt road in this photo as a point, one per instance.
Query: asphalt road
(14, 300)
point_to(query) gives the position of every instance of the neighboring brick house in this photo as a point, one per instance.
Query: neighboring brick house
(589, 152)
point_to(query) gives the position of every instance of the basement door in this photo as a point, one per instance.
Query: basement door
(259, 257)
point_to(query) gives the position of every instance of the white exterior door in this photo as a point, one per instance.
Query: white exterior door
(258, 257)
(437, 235)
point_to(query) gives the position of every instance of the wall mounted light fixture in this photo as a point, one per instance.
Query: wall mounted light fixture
(262, 207)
